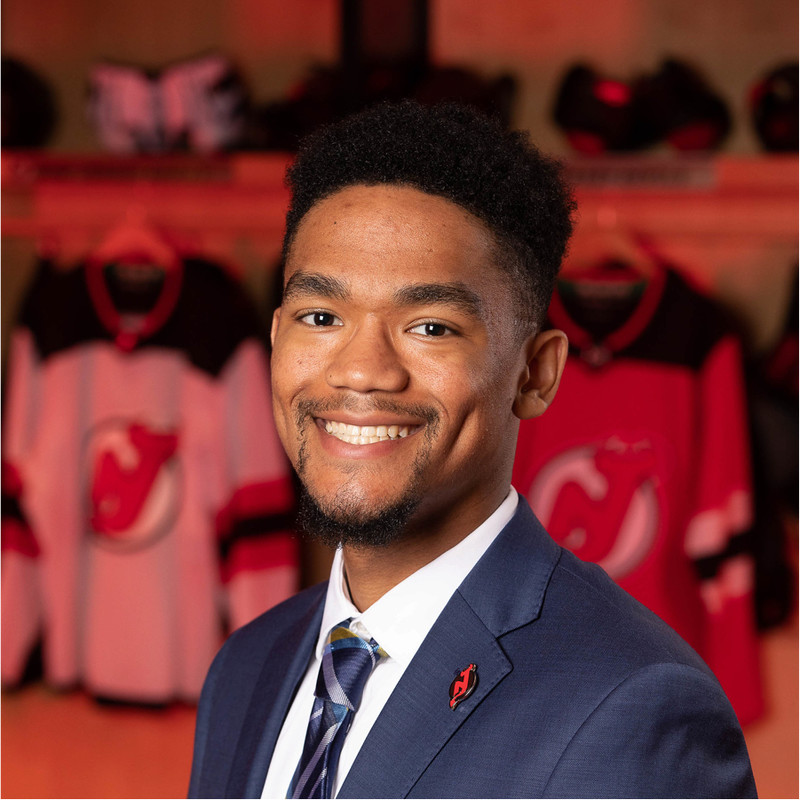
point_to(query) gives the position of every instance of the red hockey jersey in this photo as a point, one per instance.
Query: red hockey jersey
(147, 495)
(642, 464)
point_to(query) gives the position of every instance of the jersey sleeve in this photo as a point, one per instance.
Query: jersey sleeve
(258, 549)
(21, 601)
(719, 526)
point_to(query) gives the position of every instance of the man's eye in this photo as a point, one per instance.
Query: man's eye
(431, 329)
(320, 319)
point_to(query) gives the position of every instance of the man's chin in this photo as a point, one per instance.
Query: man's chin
(346, 523)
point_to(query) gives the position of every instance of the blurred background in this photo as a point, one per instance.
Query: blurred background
(147, 508)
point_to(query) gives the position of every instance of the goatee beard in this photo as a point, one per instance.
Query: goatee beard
(345, 521)
(346, 524)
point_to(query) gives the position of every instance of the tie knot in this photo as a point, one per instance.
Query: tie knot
(347, 662)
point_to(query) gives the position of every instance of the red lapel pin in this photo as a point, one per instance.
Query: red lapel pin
(463, 685)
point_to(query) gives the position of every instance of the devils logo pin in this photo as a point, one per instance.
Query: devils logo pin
(463, 685)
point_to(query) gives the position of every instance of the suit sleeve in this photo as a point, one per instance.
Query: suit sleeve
(666, 731)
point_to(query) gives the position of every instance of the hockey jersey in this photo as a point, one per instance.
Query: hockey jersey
(642, 462)
(147, 499)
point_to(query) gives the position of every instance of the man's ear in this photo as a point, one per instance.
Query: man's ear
(546, 355)
(276, 318)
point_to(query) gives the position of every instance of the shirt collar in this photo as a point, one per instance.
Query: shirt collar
(401, 619)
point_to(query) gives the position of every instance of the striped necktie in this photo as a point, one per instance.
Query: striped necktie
(347, 662)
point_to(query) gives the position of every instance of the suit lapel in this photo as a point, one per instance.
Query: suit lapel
(504, 591)
(284, 667)
(417, 720)
(506, 588)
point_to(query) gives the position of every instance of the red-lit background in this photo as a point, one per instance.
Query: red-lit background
(730, 221)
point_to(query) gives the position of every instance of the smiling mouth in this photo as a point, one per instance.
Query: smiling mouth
(367, 434)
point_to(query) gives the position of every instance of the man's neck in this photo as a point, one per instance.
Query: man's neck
(370, 572)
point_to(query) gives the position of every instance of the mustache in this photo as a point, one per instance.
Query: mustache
(308, 408)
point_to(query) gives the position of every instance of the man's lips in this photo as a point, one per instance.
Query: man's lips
(366, 434)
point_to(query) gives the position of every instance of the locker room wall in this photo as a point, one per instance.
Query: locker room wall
(275, 43)
(747, 258)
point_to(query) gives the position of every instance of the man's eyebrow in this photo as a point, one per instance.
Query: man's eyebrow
(454, 294)
(302, 283)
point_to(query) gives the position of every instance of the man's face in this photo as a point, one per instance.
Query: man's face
(395, 362)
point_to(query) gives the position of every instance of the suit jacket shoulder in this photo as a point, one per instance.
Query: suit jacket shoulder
(581, 692)
(637, 711)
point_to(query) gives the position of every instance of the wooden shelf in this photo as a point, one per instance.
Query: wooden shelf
(691, 196)
(244, 193)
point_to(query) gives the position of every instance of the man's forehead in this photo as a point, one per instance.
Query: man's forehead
(377, 194)
(398, 244)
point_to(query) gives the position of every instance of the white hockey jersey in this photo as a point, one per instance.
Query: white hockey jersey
(147, 500)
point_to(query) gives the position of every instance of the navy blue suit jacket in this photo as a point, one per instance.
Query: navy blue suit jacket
(581, 692)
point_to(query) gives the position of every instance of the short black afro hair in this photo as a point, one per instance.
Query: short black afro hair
(454, 152)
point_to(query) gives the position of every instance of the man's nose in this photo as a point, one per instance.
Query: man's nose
(368, 362)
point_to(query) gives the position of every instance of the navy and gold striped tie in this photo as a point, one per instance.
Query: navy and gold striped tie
(347, 662)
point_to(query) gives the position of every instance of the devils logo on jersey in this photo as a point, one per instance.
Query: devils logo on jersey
(133, 483)
(601, 501)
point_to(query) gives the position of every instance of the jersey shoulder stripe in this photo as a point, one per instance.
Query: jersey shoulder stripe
(212, 315)
(684, 329)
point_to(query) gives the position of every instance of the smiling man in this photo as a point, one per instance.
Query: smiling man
(456, 651)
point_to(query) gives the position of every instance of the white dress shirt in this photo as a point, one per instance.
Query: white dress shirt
(399, 621)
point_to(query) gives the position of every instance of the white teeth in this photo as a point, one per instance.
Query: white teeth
(368, 434)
